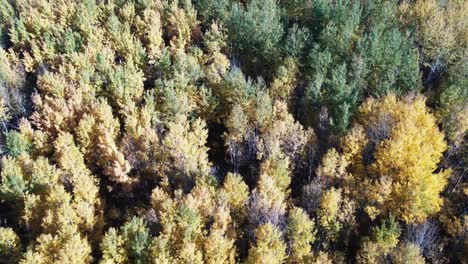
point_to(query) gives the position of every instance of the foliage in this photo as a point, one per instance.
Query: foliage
(269, 248)
(10, 245)
(398, 152)
(228, 131)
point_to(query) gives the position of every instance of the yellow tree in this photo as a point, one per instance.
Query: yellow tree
(440, 30)
(397, 150)
(301, 233)
(67, 246)
(407, 253)
(10, 245)
(237, 194)
(185, 145)
(97, 134)
(86, 199)
(268, 247)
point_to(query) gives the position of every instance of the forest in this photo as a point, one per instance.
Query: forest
(234, 131)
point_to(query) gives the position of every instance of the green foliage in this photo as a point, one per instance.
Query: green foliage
(360, 52)
(13, 185)
(130, 243)
(16, 144)
(383, 238)
(255, 33)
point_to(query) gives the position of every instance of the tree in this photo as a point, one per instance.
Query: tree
(255, 32)
(301, 233)
(439, 32)
(400, 148)
(407, 253)
(328, 211)
(185, 145)
(237, 193)
(10, 245)
(268, 247)
(360, 52)
(16, 144)
(219, 248)
(382, 240)
(65, 247)
(130, 243)
(112, 248)
(267, 203)
(13, 92)
(97, 134)
(86, 199)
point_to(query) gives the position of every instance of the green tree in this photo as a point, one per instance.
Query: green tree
(382, 240)
(130, 243)
(256, 30)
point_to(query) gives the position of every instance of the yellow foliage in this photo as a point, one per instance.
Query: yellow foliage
(217, 64)
(180, 24)
(237, 192)
(285, 80)
(278, 169)
(301, 231)
(399, 153)
(407, 253)
(4, 112)
(268, 247)
(329, 208)
(10, 245)
(65, 247)
(159, 252)
(218, 248)
(333, 167)
(185, 143)
(97, 135)
(441, 29)
(269, 194)
(86, 199)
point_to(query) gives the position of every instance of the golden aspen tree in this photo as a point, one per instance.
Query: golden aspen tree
(12, 86)
(181, 227)
(267, 202)
(440, 30)
(185, 143)
(278, 169)
(268, 247)
(67, 246)
(10, 245)
(97, 134)
(217, 64)
(159, 251)
(285, 80)
(218, 248)
(149, 26)
(112, 248)
(180, 23)
(407, 253)
(86, 199)
(301, 234)
(237, 192)
(402, 147)
(328, 212)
